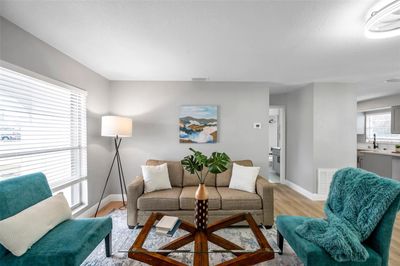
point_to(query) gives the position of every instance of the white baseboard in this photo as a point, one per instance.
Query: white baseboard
(304, 192)
(90, 212)
(320, 197)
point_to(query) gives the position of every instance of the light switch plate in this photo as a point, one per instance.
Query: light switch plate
(257, 125)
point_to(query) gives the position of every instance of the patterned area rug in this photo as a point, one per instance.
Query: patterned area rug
(123, 238)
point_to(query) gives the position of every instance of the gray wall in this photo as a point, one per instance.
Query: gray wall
(20, 48)
(299, 135)
(320, 130)
(378, 103)
(335, 127)
(154, 108)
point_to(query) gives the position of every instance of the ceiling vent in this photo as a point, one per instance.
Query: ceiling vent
(393, 80)
(199, 79)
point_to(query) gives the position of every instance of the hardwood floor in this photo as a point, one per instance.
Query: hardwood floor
(288, 201)
(109, 207)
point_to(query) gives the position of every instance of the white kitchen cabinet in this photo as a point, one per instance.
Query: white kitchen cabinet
(395, 119)
(360, 123)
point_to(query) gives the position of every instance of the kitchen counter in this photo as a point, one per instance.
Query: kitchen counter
(379, 152)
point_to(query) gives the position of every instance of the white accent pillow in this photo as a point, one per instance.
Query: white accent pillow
(155, 177)
(244, 178)
(19, 232)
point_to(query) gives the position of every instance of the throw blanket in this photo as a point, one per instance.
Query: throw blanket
(356, 203)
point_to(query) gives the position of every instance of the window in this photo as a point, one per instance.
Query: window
(379, 123)
(43, 129)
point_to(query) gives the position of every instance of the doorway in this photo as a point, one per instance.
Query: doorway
(276, 150)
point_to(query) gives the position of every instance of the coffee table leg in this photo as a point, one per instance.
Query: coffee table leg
(224, 243)
(262, 241)
(249, 259)
(177, 243)
(145, 231)
(154, 259)
(200, 249)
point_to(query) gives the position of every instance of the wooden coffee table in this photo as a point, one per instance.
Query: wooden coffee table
(201, 239)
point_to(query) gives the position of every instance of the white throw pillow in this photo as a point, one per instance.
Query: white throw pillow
(244, 178)
(155, 177)
(19, 232)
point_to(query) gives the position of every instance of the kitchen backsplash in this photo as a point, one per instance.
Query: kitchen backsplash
(362, 144)
(382, 146)
(361, 138)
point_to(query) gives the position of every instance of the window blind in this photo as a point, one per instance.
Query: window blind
(42, 129)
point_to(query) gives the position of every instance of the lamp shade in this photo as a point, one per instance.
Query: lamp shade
(116, 126)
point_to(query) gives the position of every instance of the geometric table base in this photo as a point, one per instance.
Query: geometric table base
(201, 239)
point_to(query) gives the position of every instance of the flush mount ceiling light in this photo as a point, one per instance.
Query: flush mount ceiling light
(384, 20)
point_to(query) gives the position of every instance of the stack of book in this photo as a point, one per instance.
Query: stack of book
(168, 225)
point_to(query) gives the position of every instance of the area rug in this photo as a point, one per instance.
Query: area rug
(123, 238)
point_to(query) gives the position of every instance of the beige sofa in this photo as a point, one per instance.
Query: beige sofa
(179, 201)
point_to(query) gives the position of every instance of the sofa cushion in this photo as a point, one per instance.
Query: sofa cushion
(69, 243)
(175, 171)
(187, 201)
(310, 253)
(167, 199)
(193, 180)
(232, 199)
(223, 179)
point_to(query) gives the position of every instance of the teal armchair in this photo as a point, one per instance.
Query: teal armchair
(377, 245)
(69, 243)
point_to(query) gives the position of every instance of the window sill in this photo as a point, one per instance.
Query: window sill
(77, 210)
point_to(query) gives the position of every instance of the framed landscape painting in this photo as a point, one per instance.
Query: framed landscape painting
(198, 124)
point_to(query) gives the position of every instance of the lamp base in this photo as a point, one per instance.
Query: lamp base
(117, 144)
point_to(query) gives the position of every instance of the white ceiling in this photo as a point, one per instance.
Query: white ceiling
(283, 42)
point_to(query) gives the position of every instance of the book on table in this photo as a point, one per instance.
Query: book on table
(170, 232)
(167, 225)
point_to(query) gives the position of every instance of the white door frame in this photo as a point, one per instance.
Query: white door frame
(282, 122)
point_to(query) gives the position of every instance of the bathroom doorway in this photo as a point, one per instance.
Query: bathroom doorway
(276, 152)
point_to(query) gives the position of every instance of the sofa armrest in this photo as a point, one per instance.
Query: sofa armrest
(266, 191)
(135, 190)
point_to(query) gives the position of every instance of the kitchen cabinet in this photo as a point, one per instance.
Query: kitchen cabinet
(360, 159)
(360, 123)
(395, 119)
(396, 168)
(377, 163)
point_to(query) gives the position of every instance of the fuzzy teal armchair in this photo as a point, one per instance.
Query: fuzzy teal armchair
(69, 243)
(377, 244)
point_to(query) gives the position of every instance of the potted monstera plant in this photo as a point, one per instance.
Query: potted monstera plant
(397, 147)
(195, 163)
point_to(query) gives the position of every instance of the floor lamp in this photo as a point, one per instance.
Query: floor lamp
(116, 127)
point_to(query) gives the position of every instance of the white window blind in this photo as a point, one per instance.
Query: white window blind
(42, 129)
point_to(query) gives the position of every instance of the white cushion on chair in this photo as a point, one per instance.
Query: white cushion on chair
(19, 232)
